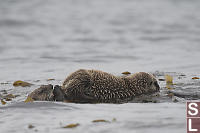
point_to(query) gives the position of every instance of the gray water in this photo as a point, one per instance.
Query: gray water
(42, 39)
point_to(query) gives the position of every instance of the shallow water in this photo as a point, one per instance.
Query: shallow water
(50, 39)
(51, 117)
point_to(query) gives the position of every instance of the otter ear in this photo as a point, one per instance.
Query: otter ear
(58, 93)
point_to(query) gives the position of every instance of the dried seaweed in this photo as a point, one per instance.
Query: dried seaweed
(195, 78)
(28, 99)
(50, 79)
(169, 82)
(126, 73)
(21, 83)
(71, 125)
(100, 120)
(3, 102)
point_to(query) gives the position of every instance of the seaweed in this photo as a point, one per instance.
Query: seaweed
(28, 100)
(72, 125)
(126, 73)
(195, 78)
(21, 83)
(3, 102)
(100, 120)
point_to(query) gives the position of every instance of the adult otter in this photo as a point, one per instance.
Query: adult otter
(93, 86)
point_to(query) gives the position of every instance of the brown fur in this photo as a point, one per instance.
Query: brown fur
(96, 86)
(93, 86)
(44, 93)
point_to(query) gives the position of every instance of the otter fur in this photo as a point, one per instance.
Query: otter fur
(94, 86)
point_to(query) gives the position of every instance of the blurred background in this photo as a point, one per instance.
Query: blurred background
(47, 38)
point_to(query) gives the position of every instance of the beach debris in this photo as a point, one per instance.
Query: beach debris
(195, 78)
(3, 102)
(100, 120)
(30, 126)
(72, 125)
(126, 73)
(50, 79)
(28, 100)
(21, 83)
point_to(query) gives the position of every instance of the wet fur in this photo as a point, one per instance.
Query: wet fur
(93, 86)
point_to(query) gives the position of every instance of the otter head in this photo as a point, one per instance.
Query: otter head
(145, 82)
(44, 93)
(47, 93)
(58, 93)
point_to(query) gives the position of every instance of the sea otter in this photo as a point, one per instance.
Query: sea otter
(93, 86)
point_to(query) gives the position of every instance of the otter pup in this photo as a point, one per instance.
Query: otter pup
(47, 93)
(93, 86)
(44, 93)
